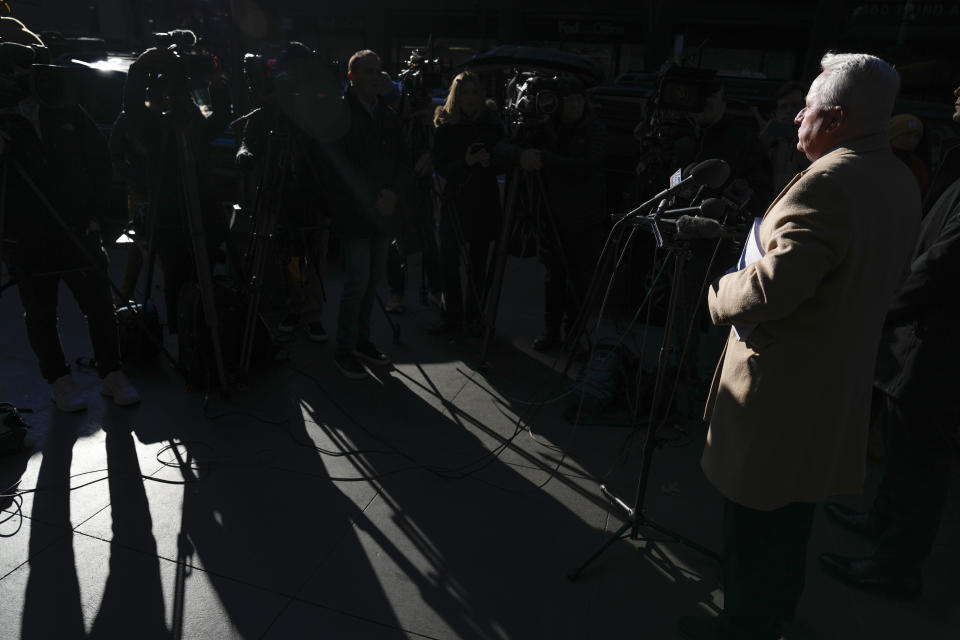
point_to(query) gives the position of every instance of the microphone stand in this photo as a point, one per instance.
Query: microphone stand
(637, 518)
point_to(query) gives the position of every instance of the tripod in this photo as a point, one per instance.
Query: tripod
(536, 203)
(266, 211)
(637, 518)
(451, 218)
(198, 240)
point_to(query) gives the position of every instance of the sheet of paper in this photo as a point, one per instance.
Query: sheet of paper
(752, 251)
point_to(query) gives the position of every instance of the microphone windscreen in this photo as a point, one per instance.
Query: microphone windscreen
(712, 208)
(712, 173)
(693, 227)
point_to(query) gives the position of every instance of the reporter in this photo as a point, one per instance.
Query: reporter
(467, 129)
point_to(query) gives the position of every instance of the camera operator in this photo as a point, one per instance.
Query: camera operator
(371, 174)
(303, 235)
(45, 142)
(468, 128)
(158, 103)
(572, 162)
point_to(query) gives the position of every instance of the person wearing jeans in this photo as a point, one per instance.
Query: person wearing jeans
(370, 176)
(364, 263)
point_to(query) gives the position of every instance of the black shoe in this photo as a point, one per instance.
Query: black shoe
(865, 524)
(443, 328)
(316, 332)
(371, 354)
(475, 329)
(548, 340)
(350, 366)
(870, 574)
(701, 628)
(289, 323)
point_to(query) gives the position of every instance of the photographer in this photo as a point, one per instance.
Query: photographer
(468, 128)
(158, 104)
(571, 159)
(41, 144)
(303, 234)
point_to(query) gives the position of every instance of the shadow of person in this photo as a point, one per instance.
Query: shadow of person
(52, 607)
(132, 596)
(258, 518)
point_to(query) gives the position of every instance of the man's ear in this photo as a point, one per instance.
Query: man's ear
(838, 116)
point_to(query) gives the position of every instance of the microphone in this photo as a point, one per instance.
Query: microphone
(711, 173)
(711, 208)
(694, 227)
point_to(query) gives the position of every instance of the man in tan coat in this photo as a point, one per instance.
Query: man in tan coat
(790, 402)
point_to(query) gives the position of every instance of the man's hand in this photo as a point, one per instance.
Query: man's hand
(386, 202)
(424, 165)
(531, 160)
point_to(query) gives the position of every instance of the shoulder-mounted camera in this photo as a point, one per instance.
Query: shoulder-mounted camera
(184, 62)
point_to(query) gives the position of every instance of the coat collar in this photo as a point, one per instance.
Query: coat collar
(861, 144)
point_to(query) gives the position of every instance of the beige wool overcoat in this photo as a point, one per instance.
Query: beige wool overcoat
(789, 406)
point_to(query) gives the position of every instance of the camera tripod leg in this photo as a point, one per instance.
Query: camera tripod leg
(500, 262)
(266, 212)
(201, 257)
(394, 326)
(453, 219)
(152, 230)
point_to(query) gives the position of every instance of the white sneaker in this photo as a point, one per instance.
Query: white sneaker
(116, 386)
(66, 396)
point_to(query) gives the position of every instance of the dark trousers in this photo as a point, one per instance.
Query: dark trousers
(364, 261)
(563, 291)
(450, 253)
(914, 489)
(39, 293)
(763, 566)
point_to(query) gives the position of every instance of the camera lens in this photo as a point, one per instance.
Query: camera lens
(547, 102)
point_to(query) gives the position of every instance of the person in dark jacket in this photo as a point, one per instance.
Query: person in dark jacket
(468, 128)
(571, 159)
(370, 176)
(920, 407)
(41, 144)
(158, 106)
